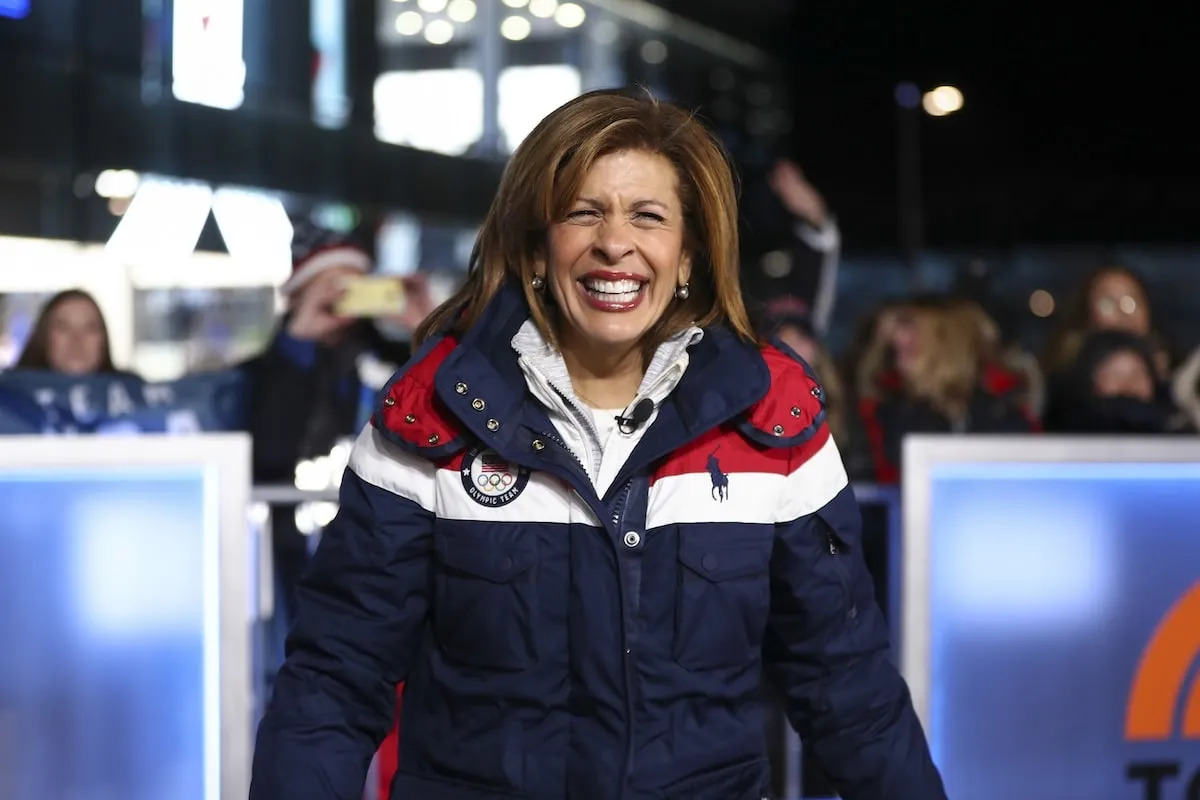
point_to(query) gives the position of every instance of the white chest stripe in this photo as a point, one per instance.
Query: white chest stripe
(380, 463)
(544, 498)
(813, 484)
(539, 497)
(749, 497)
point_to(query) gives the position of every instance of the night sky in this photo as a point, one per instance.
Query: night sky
(1077, 124)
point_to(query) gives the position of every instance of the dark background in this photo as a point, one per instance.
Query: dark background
(1078, 122)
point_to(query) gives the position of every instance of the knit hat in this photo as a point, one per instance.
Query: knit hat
(316, 249)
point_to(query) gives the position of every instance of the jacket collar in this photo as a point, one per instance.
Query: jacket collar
(725, 376)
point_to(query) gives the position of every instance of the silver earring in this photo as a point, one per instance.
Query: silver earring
(682, 292)
(538, 283)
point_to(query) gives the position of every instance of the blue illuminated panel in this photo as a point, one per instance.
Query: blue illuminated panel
(1047, 582)
(107, 689)
(15, 9)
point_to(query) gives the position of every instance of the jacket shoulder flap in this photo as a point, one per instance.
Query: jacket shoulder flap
(410, 414)
(793, 410)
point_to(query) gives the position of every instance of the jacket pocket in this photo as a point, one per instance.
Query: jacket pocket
(843, 558)
(485, 602)
(722, 600)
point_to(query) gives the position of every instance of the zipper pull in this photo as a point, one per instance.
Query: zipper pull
(833, 545)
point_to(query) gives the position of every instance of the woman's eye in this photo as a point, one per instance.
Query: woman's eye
(649, 216)
(583, 213)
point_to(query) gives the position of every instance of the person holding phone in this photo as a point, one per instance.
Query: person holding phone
(317, 382)
(591, 514)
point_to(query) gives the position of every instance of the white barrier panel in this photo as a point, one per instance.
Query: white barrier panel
(125, 579)
(1051, 614)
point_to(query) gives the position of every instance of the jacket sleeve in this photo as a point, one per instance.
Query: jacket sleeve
(826, 646)
(817, 255)
(362, 607)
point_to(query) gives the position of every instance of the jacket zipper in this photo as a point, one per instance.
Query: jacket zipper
(554, 437)
(619, 505)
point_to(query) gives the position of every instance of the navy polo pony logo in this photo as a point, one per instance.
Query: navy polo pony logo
(720, 481)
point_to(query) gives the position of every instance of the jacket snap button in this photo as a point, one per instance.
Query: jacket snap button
(410, 418)
(389, 401)
(795, 411)
(461, 388)
(506, 563)
(817, 391)
(539, 445)
(778, 430)
(433, 438)
(478, 404)
(632, 539)
(492, 425)
(709, 562)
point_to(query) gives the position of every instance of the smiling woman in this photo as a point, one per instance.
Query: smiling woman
(591, 515)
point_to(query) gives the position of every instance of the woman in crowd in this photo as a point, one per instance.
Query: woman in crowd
(1112, 386)
(935, 374)
(69, 337)
(1109, 298)
(591, 513)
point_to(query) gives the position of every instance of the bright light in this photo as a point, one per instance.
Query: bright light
(654, 52)
(436, 110)
(543, 8)
(528, 94)
(162, 224)
(461, 10)
(432, 6)
(120, 183)
(942, 101)
(409, 23)
(516, 3)
(515, 28)
(206, 53)
(256, 230)
(1041, 303)
(570, 15)
(439, 32)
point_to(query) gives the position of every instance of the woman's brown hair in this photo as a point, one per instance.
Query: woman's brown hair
(542, 181)
(1076, 319)
(36, 354)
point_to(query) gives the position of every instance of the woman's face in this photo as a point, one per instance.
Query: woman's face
(75, 343)
(1116, 302)
(1124, 374)
(616, 258)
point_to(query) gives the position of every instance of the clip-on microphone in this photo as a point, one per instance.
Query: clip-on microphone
(637, 417)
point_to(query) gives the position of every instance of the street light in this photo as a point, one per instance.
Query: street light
(942, 101)
(938, 102)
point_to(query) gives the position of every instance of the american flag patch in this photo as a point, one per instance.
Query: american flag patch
(490, 462)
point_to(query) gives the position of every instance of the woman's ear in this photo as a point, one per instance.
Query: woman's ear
(685, 269)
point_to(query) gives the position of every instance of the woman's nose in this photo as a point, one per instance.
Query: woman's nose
(613, 242)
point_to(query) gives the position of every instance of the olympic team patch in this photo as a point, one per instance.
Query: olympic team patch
(490, 480)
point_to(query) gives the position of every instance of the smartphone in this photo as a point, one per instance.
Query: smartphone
(372, 296)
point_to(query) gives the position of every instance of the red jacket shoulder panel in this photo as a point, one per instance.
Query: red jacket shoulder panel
(793, 410)
(410, 413)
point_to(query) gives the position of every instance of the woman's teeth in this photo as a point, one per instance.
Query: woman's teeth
(622, 291)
